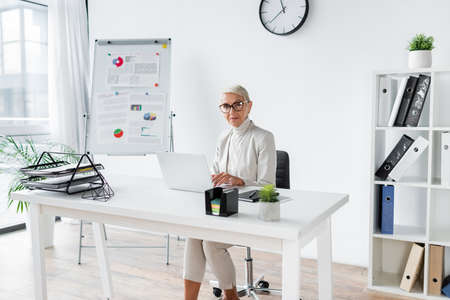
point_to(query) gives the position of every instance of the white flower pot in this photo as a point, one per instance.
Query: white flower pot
(48, 226)
(419, 59)
(269, 211)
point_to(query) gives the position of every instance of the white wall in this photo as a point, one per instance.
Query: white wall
(311, 89)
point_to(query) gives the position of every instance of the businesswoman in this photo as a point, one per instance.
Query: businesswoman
(245, 155)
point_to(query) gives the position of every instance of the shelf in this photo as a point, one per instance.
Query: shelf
(422, 203)
(440, 237)
(390, 283)
(432, 297)
(404, 233)
(386, 128)
(436, 184)
(415, 182)
(439, 243)
(397, 291)
(419, 182)
(411, 71)
(440, 128)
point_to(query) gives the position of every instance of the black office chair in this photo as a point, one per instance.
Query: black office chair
(260, 286)
(283, 180)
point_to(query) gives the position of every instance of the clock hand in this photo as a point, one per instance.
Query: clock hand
(275, 17)
(283, 7)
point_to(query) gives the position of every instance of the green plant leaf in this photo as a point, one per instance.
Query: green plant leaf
(421, 42)
(24, 154)
(268, 194)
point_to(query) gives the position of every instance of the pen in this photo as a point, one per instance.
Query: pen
(252, 194)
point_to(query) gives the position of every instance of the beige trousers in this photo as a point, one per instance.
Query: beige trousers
(198, 252)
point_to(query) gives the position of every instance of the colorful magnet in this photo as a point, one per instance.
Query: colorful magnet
(136, 107)
(118, 133)
(150, 116)
(164, 46)
(156, 84)
(118, 61)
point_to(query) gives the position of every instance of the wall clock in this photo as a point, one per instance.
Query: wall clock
(283, 17)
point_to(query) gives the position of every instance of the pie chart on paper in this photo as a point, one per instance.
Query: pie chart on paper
(118, 61)
(150, 116)
(118, 133)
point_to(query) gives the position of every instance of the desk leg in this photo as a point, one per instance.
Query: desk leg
(40, 276)
(324, 262)
(291, 270)
(48, 230)
(100, 245)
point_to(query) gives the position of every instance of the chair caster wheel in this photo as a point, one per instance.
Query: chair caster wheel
(217, 292)
(263, 284)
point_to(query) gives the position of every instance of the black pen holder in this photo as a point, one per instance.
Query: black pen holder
(228, 201)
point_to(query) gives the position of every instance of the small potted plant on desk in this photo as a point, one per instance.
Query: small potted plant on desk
(269, 205)
(420, 51)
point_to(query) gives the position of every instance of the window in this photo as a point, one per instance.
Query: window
(23, 82)
(23, 67)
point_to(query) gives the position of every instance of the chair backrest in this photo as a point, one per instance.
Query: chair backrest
(282, 176)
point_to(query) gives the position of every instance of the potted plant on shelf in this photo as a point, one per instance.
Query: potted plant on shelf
(15, 154)
(269, 205)
(420, 51)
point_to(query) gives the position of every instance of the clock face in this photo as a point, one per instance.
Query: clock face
(283, 17)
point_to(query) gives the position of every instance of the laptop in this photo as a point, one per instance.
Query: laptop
(184, 171)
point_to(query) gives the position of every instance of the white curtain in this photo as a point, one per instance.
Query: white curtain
(68, 53)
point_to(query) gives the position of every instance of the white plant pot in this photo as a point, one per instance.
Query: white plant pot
(419, 59)
(269, 211)
(48, 226)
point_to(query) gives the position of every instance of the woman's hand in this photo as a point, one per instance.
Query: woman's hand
(225, 178)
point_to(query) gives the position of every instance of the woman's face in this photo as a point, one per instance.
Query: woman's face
(238, 109)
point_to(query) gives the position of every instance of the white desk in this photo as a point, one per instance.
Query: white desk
(146, 203)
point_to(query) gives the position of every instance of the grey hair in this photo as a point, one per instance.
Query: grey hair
(238, 90)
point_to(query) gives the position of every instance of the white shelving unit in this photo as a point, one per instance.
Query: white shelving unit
(421, 203)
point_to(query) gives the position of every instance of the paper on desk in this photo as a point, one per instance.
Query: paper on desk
(67, 169)
(60, 182)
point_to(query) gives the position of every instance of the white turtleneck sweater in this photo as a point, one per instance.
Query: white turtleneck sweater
(247, 152)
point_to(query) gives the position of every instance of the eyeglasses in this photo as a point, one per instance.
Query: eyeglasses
(237, 106)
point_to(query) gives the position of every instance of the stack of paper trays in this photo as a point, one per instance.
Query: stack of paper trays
(57, 176)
